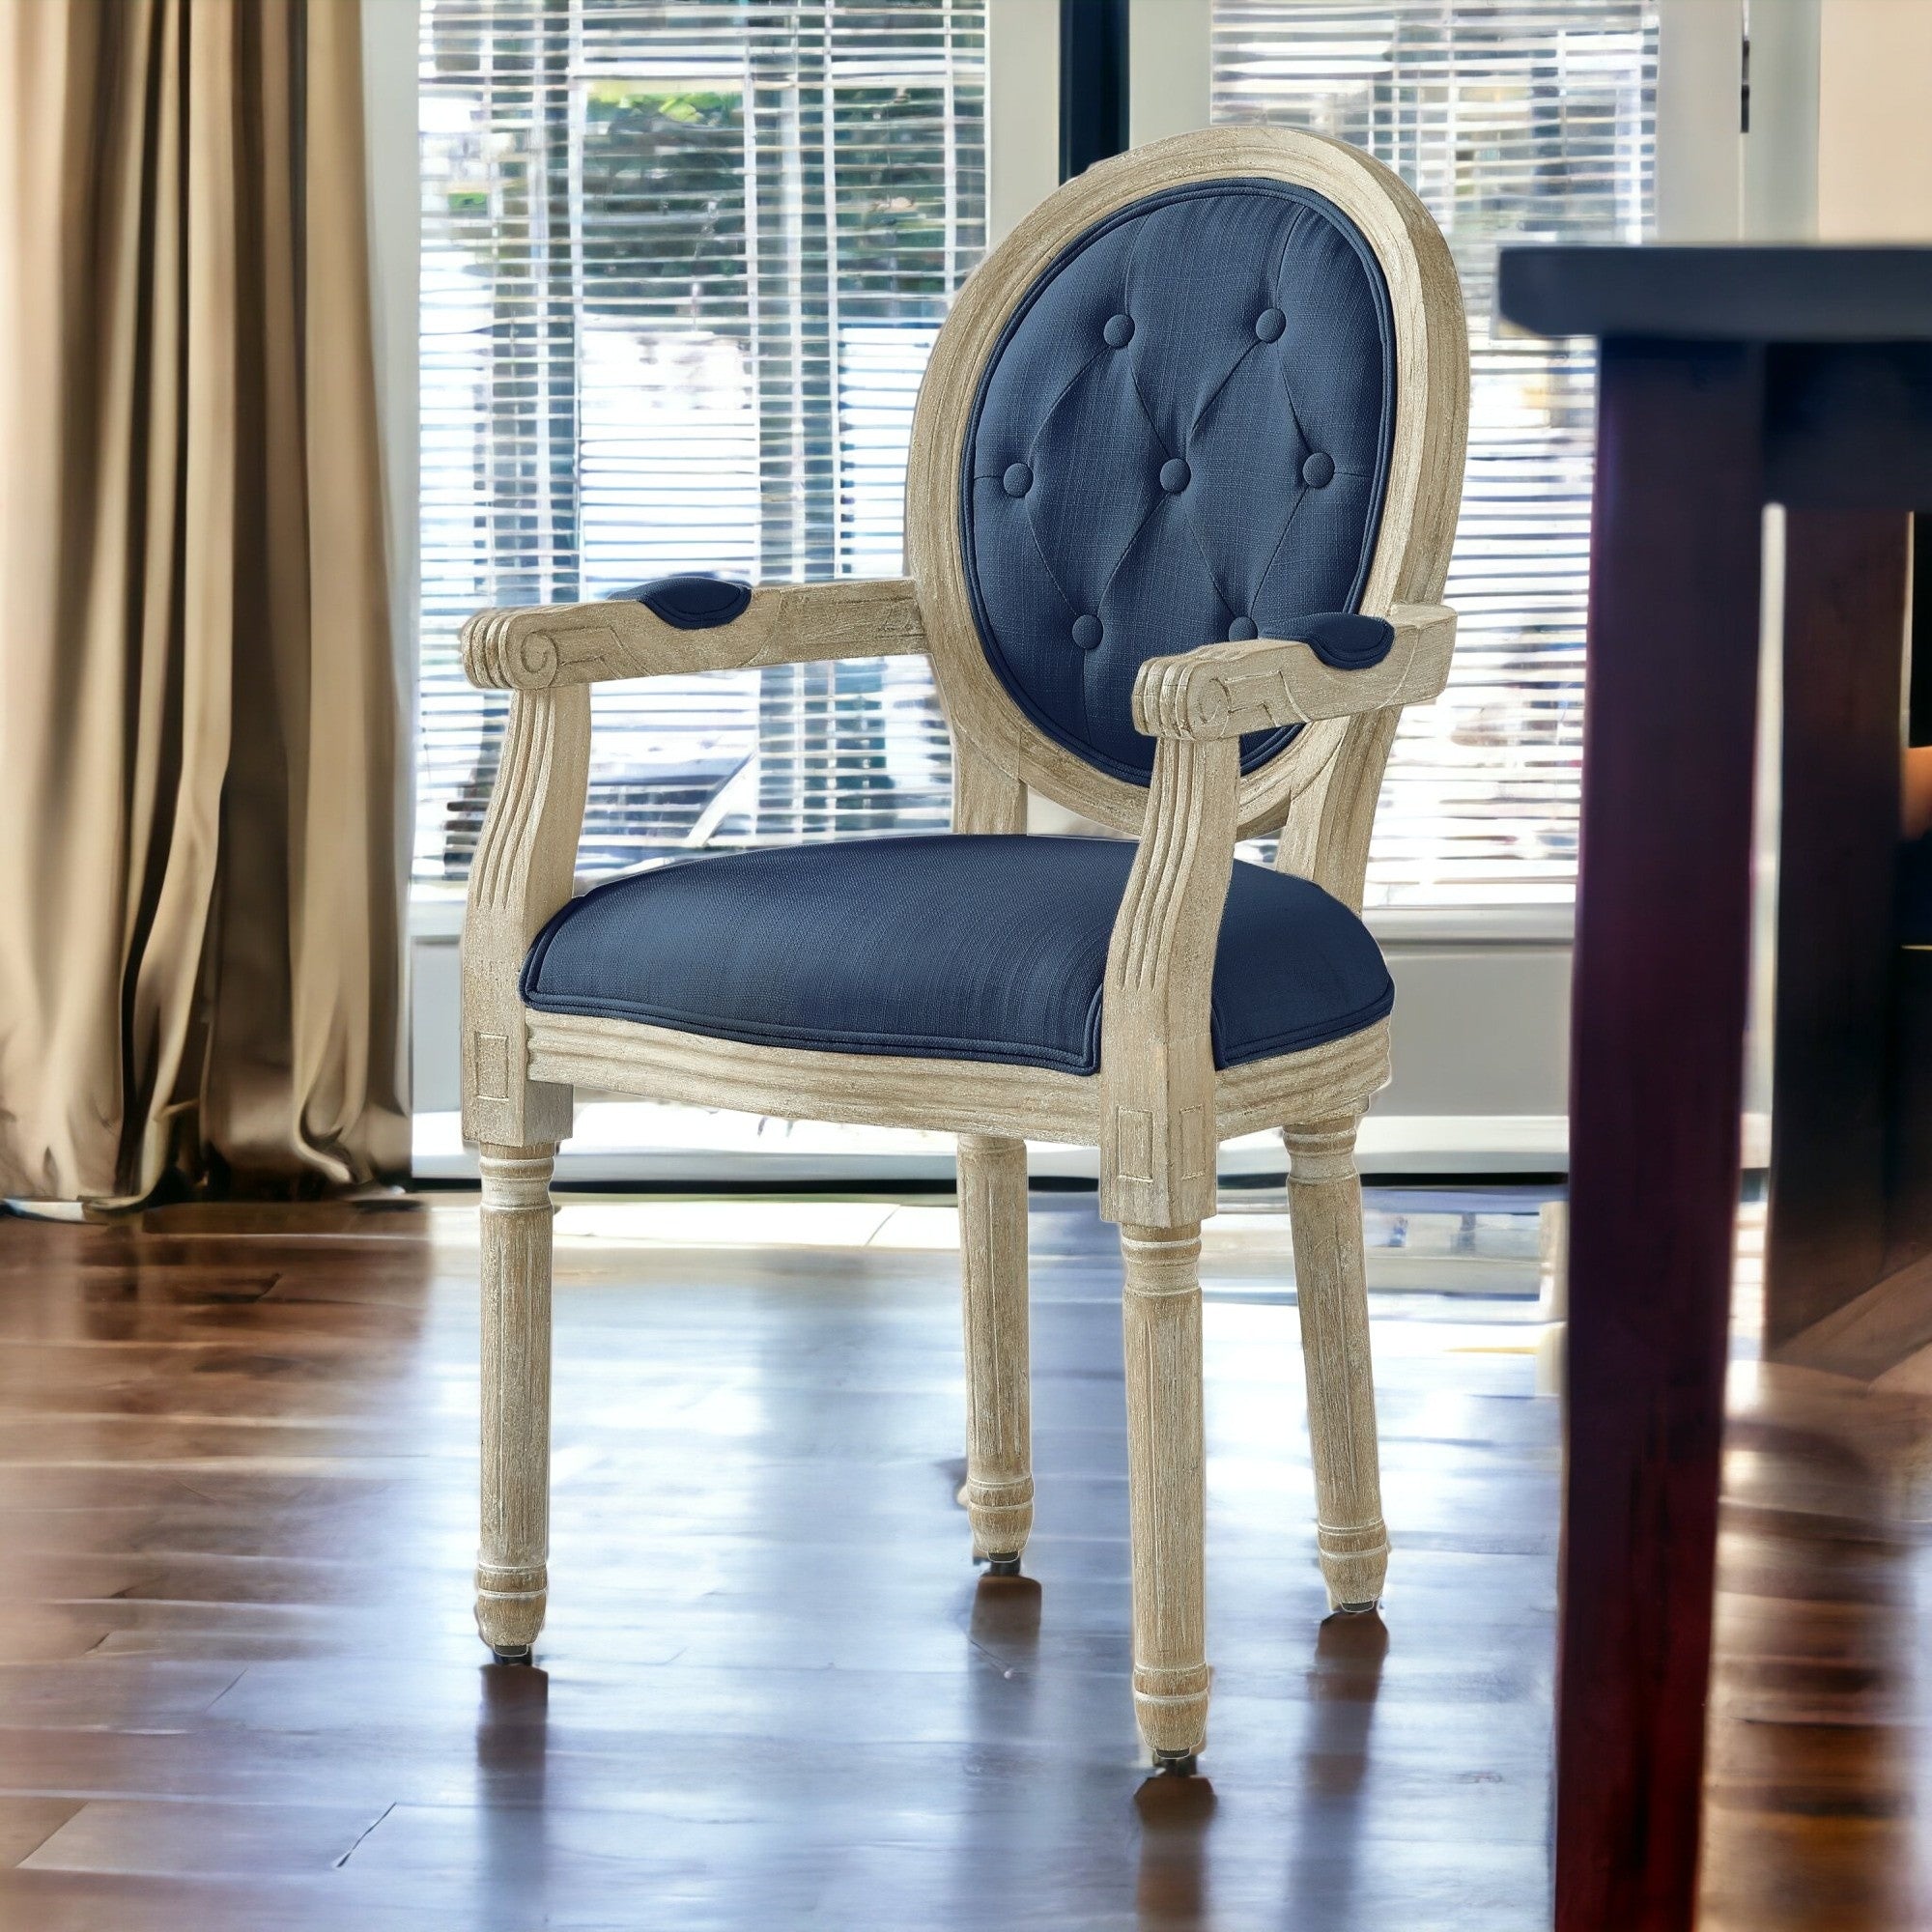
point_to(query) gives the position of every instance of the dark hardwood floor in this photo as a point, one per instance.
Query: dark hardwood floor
(239, 1689)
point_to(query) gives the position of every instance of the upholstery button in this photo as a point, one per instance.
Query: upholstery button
(1086, 632)
(1118, 332)
(1318, 472)
(1241, 630)
(1174, 475)
(1270, 324)
(1017, 480)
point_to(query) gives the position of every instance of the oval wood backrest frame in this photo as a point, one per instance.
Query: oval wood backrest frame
(1425, 474)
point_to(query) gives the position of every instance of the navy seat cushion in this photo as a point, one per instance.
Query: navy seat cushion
(944, 947)
(1182, 435)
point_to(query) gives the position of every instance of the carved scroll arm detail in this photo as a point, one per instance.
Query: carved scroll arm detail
(1224, 690)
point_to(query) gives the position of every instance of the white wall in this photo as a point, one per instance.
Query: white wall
(1022, 110)
(1699, 153)
(1169, 68)
(1781, 153)
(1874, 93)
(1841, 140)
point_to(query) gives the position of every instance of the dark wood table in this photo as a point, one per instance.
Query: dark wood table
(1729, 379)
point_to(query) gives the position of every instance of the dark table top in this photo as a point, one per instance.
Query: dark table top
(1731, 294)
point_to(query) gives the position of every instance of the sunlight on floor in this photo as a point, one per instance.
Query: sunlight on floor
(1461, 1241)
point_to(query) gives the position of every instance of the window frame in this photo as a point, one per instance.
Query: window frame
(1454, 1106)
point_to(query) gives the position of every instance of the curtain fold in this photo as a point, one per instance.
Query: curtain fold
(201, 876)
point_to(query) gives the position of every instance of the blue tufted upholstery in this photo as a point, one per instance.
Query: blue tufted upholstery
(1182, 435)
(949, 947)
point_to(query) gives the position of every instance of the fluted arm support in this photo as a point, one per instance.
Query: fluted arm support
(1157, 1126)
(524, 870)
(541, 646)
(1224, 690)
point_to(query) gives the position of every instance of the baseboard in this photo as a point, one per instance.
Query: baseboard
(620, 1140)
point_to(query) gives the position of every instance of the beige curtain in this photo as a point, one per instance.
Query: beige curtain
(200, 877)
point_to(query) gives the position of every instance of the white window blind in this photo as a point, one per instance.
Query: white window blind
(682, 266)
(1518, 121)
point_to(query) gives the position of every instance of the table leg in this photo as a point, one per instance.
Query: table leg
(1663, 943)
(1845, 593)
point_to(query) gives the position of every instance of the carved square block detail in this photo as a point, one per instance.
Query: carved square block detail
(490, 1065)
(1193, 1143)
(1133, 1144)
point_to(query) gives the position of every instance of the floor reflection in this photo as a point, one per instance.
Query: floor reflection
(1006, 1617)
(1175, 1815)
(1342, 1687)
(512, 1754)
(512, 1730)
(1343, 1684)
(1816, 1700)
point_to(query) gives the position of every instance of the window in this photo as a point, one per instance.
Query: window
(682, 265)
(1522, 119)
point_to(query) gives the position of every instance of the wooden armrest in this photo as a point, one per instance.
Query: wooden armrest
(1224, 690)
(539, 647)
(1156, 1049)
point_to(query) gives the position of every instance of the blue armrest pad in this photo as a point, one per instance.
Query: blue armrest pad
(1342, 640)
(692, 601)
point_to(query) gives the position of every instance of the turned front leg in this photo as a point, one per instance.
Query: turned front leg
(1324, 1205)
(1166, 1487)
(993, 1280)
(512, 1582)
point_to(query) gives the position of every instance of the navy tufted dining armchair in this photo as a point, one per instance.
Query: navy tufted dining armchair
(1184, 472)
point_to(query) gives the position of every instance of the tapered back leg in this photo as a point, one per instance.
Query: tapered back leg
(1324, 1205)
(993, 1279)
